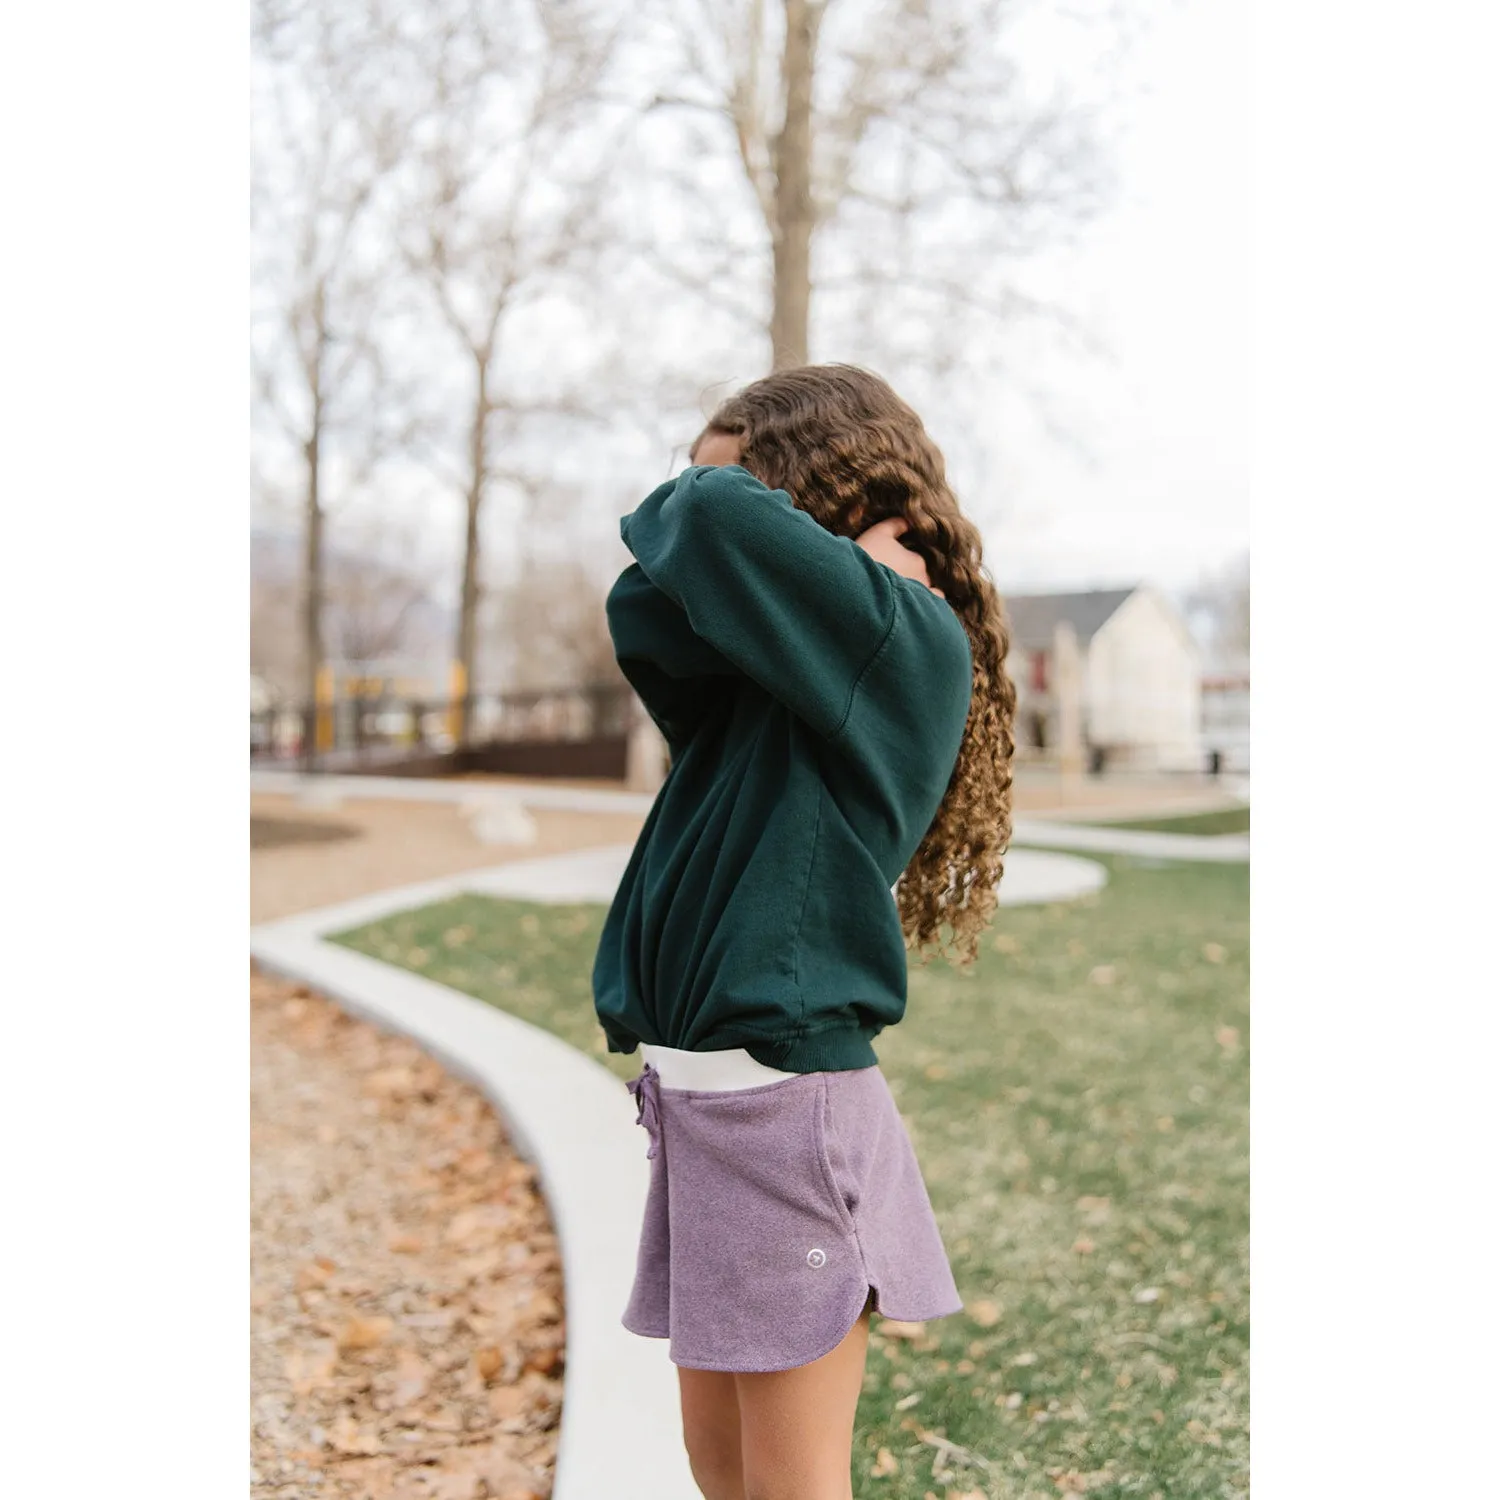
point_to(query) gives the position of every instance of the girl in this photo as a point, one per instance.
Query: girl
(808, 623)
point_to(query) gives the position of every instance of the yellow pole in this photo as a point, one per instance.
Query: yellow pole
(457, 687)
(324, 732)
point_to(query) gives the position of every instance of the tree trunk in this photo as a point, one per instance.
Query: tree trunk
(468, 598)
(312, 586)
(791, 289)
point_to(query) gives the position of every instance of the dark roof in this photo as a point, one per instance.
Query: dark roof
(1033, 617)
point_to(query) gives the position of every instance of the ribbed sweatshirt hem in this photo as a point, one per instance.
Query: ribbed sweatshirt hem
(835, 1051)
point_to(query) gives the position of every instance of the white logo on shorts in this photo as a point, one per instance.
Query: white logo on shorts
(816, 1258)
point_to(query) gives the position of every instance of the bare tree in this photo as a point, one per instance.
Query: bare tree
(544, 620)
(316, 176)
(1221, 599)
(380, 595)
(551, 620)
(499, 208)
(895, 161)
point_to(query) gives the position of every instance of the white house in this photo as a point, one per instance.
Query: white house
(1138, 670)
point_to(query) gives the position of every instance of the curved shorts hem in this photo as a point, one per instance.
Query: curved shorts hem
(919, 1317)
(645, 1333)
(763, 1367)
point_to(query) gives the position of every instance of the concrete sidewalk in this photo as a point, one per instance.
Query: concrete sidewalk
(570, 1116)
(1095, 838)
(1041, 833)
(574, 1120)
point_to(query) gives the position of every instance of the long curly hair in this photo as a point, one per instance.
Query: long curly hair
(851, 452)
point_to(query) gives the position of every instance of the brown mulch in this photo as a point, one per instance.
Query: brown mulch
(406, 1292)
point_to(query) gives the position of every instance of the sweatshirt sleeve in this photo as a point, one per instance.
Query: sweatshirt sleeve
(677, 675)
(800, 611)
(907, 725)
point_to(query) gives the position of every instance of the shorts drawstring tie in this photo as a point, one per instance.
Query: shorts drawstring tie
(648, 1105)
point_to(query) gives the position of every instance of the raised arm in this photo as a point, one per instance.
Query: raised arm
(677, 675)
(795, 608)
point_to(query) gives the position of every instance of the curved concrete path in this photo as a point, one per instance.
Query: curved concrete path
(621, 1433)
(621, 1429)
(1094, 838)
(1031, 877)
(1097, 838)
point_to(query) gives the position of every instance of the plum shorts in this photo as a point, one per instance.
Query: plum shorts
(772, 1214)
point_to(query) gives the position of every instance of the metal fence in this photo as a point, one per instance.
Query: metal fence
(387, 730)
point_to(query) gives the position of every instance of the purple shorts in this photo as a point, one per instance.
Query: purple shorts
(772, 1214)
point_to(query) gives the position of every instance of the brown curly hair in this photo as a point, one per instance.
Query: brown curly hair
(851, 452)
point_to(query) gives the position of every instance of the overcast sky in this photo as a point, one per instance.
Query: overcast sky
(1153, 482)
(1165, 280)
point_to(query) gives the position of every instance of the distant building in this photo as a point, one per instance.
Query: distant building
(1140, 678)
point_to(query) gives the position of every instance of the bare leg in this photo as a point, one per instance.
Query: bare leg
(797, 1426)
(711, 1431)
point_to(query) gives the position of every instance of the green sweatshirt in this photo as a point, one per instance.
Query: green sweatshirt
(813, 701)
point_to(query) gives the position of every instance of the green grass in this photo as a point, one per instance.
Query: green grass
(1079, 1102)
(1224, 820)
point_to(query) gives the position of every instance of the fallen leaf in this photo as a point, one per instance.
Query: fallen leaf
(1228, 1037)
(1102, 974)
(985, 1313)
(364, 1333)
(1083, 1245)
(347, 1436)
(885, 1464)
(1148, 1294)
(476, 1224)
(413, 1376)
(315, 1273)
(545, 1361)
(907, 1402)
(391, 1083)
(310, 1369)
(518, 1171)
(509, 1401)
(547, 1308)
(1071, 1483)
(455, 1486)
(935, 1071)
(502, 1472)
(893, 1328)
(1214, 952)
